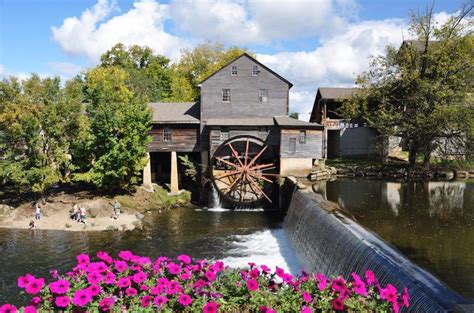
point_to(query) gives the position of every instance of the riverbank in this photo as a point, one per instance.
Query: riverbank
(56, 208)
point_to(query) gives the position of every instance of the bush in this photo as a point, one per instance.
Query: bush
(132, 283)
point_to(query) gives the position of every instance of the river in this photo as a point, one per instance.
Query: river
(430, 222)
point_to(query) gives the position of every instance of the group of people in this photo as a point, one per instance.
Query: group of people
(78, 213)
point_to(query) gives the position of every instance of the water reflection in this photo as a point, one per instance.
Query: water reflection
(431, 222)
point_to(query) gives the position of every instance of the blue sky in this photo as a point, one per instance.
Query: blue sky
(312, 43)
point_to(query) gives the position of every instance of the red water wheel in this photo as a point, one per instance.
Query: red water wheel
(243, 170)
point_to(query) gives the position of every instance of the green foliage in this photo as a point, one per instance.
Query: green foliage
(38, 121)
(294, 115)
(149, 75)
(420, 91)
(117, 132)
(191, 170)
(198, 64)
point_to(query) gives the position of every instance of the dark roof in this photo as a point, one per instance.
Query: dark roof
(335, 93)
(286, 121)
(254, 60)
(175, 112)
(268, 121)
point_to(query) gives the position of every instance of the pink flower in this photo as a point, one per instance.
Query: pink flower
(156, 290)
(104, 256)
(338, 284)
(145, 301)
(125, 255)
(94, 290)
(130, 292)
(173, 268)
(34, 286)
(24, 280)
(123, 282)
(59, 287)
(139, 277)
(210, 307)
(83, 259)
(252, 284)
(109, 278)
(265, 309)
(160, 301)
(186, 259)
(7, 308)
(106, 304)
(369, 277)
(322, 281)
(265, 269)
(82, 297)
(279, 272)
(120, 266)
(405, 297)
(389, 293)
(218, 266)
(306, 309)
(306, 297)
(30, 309)
(184, 299)
(337, 304)
(35, 301)
(62, 301)
(210, 275)
(94, 278)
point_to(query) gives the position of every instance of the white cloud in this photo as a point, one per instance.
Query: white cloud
(65, 70)
(92, 34)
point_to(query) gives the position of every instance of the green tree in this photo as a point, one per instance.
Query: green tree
(198, 64)
(294, 115)
(419, 91)
(38, 121)
(149, 75)
(117, 135)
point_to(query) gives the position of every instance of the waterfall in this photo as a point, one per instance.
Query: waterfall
(335, 245)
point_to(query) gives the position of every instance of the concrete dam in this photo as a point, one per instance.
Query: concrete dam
(326, 240)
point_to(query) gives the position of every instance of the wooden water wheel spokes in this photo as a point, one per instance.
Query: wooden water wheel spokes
(244, 170)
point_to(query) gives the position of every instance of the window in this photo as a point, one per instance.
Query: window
(224, 133)
(225, 95)
(292, 147)
(255, 70)
(233, 71)
(302, 136)
(263, 95)
(166, 134)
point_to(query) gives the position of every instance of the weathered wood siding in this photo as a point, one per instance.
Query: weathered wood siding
(244, 92)
(268, 134)
(312, 148)
(184, 138)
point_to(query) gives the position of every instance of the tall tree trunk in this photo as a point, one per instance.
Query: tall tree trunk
(427, 157)
(412, 153)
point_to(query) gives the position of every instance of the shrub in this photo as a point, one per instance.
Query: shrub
(132, 283)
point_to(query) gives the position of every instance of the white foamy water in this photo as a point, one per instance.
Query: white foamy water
(269, 247)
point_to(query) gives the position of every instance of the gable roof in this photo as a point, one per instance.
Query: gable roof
(286, 121)
(245, 54)
(176, 112)
(334, 93)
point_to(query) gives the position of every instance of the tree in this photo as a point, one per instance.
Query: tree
(117, 135)
(419, 91)
(294, 115)
(198, 64)
(38, 121)
(149, 75)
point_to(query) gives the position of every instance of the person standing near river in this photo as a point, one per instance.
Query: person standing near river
(37, 211)
(82, 215)
(117, 208)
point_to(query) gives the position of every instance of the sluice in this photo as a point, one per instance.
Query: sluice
(326, 241)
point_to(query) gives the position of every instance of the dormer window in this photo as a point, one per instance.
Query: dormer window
(225, 95)
(255, 70)
(233, 71)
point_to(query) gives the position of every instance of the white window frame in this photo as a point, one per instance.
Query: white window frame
(225, 96)
(166, 134)
(233, 70)
(302, 136)
(224, 133)
(263, 95)
(255, 70)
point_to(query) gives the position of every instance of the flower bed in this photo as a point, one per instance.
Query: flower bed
(134, 283)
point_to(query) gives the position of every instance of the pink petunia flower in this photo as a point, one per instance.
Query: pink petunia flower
(145, 301)
(82, 297)
(123, 282)
(184, 299)
(95, 290)
(59, 287)
(109, 278)
(94, 278)
(24, 280)
(131, 292)
(218, 266)
(210, 307)
(83, 259)
(306, 309)
(173, 268)
(120, 266)
(264, 309)
(322, 281)
(306, 297)
(210, 275)
(369, 277)
(139, 277)
(106, 303)
(405, 297)
(338, 284)
(104, 256)
(184, 258)
(125, 255)
(34, 286)
(30, 309)
(7, 308)
(265, 269)
(62, 301)
(160, 301)
(337, 304)
(252, 285)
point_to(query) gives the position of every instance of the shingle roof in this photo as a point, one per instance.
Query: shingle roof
(240, 122)
(176, 112)
(335, 93)
(286, 121)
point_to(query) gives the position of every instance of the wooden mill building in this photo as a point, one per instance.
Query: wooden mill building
(244, 99)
